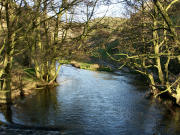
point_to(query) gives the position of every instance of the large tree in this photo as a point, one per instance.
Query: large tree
(151, 44)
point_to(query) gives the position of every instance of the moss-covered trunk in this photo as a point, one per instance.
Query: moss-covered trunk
(5, 72)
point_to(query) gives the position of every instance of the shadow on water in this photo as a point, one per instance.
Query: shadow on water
(46, 102)
(37, 106)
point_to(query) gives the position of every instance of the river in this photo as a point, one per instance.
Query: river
(96, 103)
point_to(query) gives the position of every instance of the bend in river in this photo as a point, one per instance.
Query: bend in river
(96, 103)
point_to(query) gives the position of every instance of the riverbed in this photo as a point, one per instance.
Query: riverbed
(96, 103)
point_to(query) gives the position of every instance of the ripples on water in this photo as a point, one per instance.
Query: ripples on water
(97, 103)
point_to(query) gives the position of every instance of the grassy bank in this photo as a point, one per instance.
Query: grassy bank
(88, 65)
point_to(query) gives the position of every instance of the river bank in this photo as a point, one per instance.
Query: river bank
(89, 65)
(79, 105)
(90, 102)
(25, 85)
(22, 85)
(100, 65)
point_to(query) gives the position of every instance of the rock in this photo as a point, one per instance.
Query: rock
(75, 64)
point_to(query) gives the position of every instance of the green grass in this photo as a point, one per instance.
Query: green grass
(85, 66)
(64, 61)
(93, 67)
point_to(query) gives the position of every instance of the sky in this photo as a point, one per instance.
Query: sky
(114, 10)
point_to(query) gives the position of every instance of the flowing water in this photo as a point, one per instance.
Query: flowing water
(97, 103)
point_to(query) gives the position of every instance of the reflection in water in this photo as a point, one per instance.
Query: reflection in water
(40, 106)
(169, 122)
(97, 103)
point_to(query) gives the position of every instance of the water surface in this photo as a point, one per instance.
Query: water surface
(97, 103)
